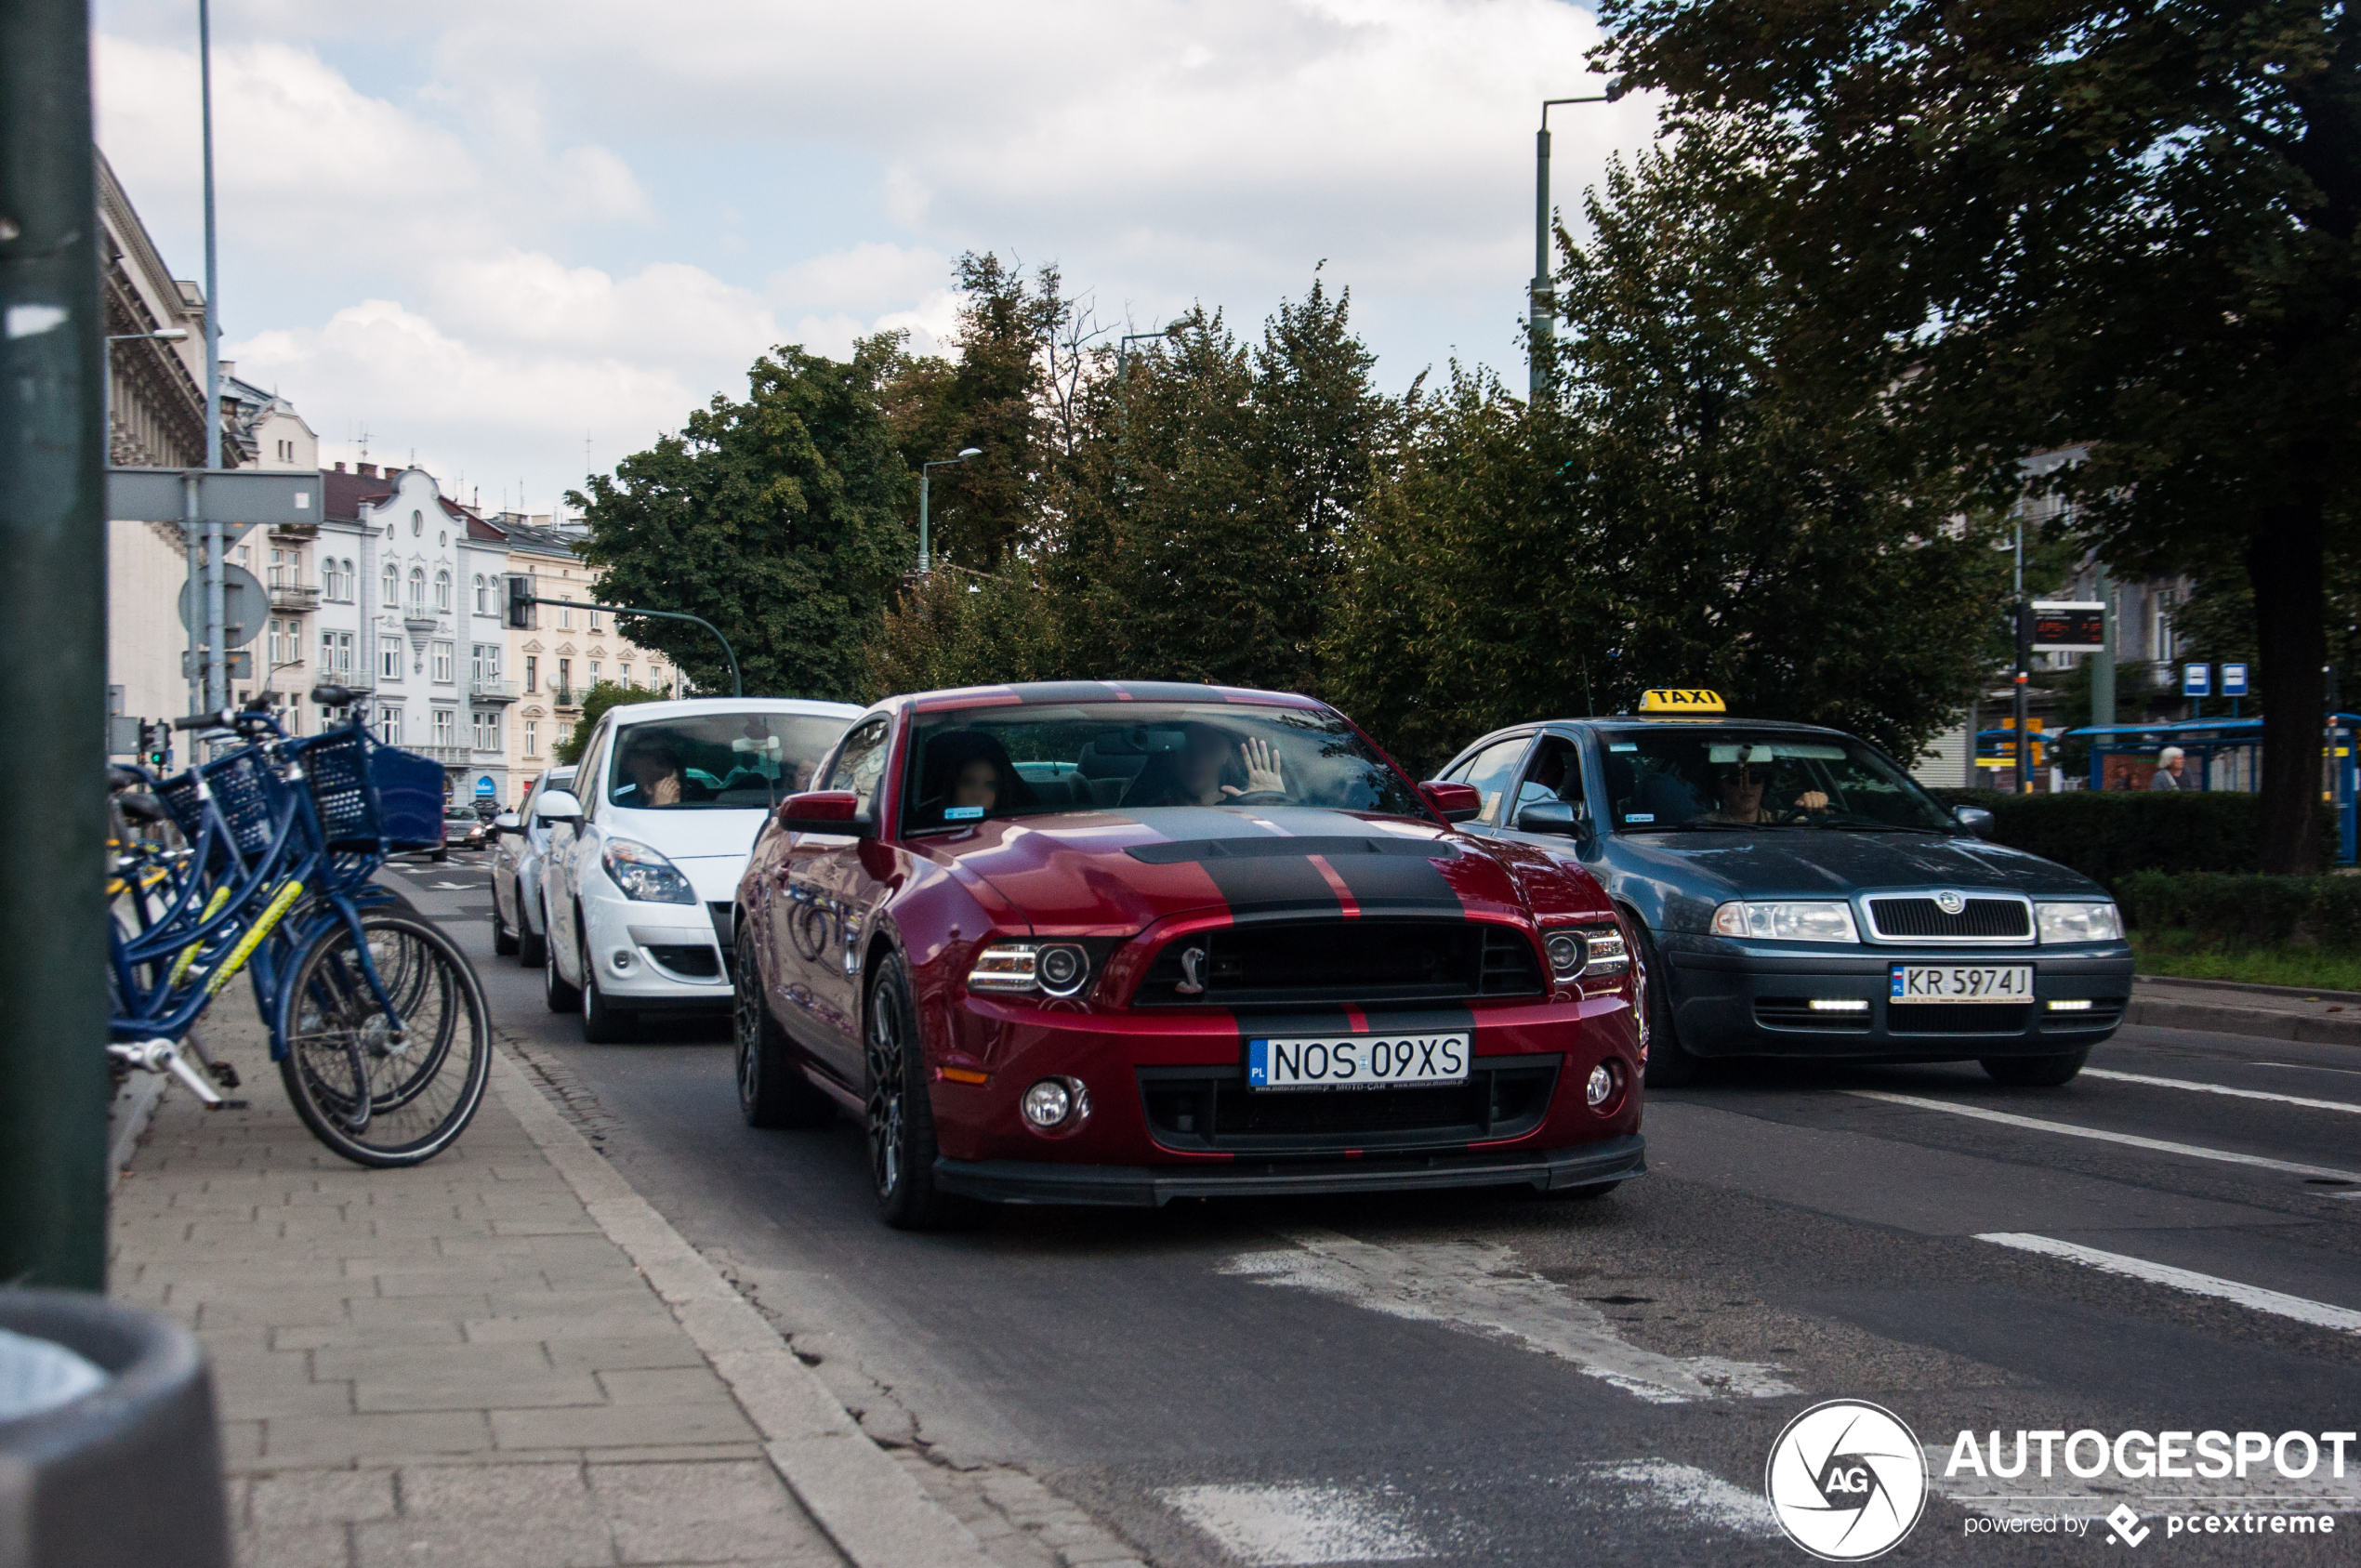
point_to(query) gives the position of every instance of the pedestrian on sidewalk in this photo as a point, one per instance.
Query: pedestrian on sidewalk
(2170, 762)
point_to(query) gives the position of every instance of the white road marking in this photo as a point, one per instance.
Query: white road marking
(1480, 1288)
(2301, 1067)
(2129, 1140)
(2343, 1105)
(2320, 1314)
(2036, 1495)
(1283, 1527)
(1700, 1496)
(452, 887)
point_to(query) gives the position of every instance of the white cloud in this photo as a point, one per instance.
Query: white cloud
(862, 277)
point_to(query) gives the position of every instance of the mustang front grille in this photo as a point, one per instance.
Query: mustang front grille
(1349, 963)
(1981, 918)
(1212, 1108)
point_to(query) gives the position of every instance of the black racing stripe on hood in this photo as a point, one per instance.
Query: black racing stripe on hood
(1262, 884)
(1397, 881)
(1336, 849)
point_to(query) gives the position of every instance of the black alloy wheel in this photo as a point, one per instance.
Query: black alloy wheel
(772, 1091)
(900, 1121)
(1670, 1065)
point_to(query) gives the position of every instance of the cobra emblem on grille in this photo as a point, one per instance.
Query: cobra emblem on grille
(1192, 966)
(1950, 903)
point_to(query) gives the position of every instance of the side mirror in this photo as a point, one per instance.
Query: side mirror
(507, 822)
(824, 811)
(1452, 802)
(1568, 817)
(1976, 819)
(558, 806)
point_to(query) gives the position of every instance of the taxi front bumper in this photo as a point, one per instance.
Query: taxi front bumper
(1734, 998)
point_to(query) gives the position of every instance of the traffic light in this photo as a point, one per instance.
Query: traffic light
(155, 742)
(522, 593)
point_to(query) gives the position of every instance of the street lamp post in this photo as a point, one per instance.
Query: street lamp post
(1544, 315)
(1123, 351)
(105, 380)
(217, 667)
(926, 476)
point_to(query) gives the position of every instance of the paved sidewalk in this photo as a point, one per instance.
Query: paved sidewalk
(451, 1365)
(2265, 1011)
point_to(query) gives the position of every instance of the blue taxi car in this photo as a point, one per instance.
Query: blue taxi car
(1796, 894)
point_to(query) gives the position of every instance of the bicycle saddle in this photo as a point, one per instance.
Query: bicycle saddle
(141, 807)
(336, 696)
(119, 778)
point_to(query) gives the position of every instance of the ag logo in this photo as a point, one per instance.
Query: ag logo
(1846, 1480)
(1949, 901)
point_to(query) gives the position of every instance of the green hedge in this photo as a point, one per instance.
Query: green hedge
(2109, 834)
(2248, 909)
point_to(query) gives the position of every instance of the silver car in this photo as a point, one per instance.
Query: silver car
(516, 875)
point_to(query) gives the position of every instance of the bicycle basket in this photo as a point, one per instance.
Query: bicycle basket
(246, 789)
(373, 798)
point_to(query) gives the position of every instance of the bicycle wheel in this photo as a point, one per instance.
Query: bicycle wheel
(373, 1097)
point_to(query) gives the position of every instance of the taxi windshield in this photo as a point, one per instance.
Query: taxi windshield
(718, 762)
(970, 764)
(1708, 777)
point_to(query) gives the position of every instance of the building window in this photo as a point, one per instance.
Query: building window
(2160, 630)
(623, 675)
(565, 675)
(442, 591)
(565, 734)
(417, 590)
(389, 726)
(336, 654)
(484, 663)
(442, 653)
(594, 672)
(531, 738)
(533, 672)
(565, 616)
(389, 660)
(443, 727)
(417, 524)
(487, 729)
(484, 599)
(594, 617)
(393, 586)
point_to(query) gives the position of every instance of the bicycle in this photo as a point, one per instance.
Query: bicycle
(377, 1023)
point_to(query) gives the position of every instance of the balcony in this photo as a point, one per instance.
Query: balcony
(492, 691)
(295, 596)
(449, 756)
(567, 696)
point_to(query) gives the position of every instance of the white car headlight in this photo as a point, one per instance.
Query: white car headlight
(643, 873)
(2081, 922)
(1056, 969)
(1816, 921)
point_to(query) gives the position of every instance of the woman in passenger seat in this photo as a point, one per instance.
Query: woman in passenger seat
(969, 774)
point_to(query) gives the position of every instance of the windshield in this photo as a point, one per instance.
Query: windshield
(716, 761)
(1716, 777)
(970, 764)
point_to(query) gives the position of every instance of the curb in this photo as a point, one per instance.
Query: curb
(866, 1503)
(2256, 1022)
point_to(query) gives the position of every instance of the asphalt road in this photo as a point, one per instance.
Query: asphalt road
(1502, 1379)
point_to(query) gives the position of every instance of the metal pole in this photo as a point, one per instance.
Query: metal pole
(2024, 661)
(737, 687)
(926, 474)
(193, 538)
(53, 656)
(1543, 317)
(2103, 667)
(217, 656)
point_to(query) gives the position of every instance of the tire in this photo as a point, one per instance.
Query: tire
(773, 1092)
(556, 995)
(601, 1025)
(899, 1121)
(422, 1089)
(532, 947)
(504, 944)
(1670, 1064)
(2035, 1071)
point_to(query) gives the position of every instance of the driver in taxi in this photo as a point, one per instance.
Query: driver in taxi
(1740, 784)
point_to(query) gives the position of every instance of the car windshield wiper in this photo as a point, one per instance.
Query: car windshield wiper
(1870, 825)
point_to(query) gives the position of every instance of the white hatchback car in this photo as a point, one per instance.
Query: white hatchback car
(646, 850)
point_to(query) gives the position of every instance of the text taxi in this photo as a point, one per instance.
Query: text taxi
(1796, 894)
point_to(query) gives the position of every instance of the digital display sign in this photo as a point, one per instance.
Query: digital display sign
(2069, 629)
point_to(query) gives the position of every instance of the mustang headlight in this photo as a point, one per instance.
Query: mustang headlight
(2081, 922)
(1815, 921)
(1584, 951)
(1053, 968)
(644, 874)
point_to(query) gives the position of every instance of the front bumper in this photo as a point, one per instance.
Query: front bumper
(1734, 998)
(670, 954)
(1026, 1181)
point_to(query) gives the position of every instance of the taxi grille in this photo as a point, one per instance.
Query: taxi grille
(1212, 1108)
(1917, 917)
(1355, 963)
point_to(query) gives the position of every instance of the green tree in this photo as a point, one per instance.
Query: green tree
(778, 519)
(2073, 222)
(595, 703)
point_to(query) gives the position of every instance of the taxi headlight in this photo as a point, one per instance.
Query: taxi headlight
(1816, 921)
(2081, 922)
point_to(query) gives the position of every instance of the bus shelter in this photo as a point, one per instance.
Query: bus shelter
(2239, 742)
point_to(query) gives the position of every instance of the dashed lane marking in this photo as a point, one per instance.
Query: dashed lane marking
(2133, 1141)
(1284, 1526)
(2345, 1106)
(2320, 1314)
(1480, 1288)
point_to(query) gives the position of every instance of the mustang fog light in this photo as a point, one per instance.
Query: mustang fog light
(1567, 953)
(1602, 1086)
(1056, 1102)
(1061, 970)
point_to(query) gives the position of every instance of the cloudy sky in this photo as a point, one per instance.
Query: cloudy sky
(492, 233)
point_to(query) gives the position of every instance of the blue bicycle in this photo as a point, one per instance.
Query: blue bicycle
(377, 1020)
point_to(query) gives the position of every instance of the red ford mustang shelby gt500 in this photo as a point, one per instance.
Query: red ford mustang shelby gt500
(1118, 943)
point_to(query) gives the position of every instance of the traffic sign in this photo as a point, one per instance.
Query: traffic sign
(2069, 627)
(2196, 680)
(237, 498)
(2233, 680)
(245, 605)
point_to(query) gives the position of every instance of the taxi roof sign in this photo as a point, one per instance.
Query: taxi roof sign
(1673, 699)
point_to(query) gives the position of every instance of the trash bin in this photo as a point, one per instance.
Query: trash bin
(129, 1472)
